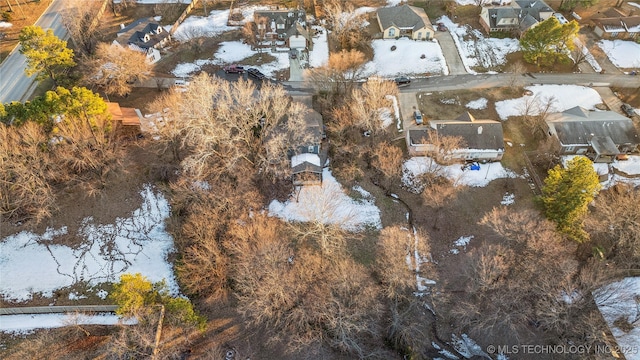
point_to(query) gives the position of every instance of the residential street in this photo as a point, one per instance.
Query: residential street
(14, 84)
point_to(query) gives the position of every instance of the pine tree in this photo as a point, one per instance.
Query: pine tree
(47, 55)
(549, 42)
(567, 193)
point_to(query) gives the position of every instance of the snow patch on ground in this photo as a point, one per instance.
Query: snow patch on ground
(622, 53)
(329, 204)
(618, 303)
(4, 24)
(478, 104)
(30, 263)
(508, 199)
(102, 294)
(199, 26)
(25, 324)
(405, 60)
(319, 56)
(564, 97)
(462, 242)
(630, 166)
(477, 51)
(230, 52)
(416, 166)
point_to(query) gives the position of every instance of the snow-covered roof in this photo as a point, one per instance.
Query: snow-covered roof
(313, 159)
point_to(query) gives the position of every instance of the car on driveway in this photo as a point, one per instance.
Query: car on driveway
(441, 27)
(402, 81)
(561, 19)
(233, 69)
(628, 110)
(255, 73)
(418, 117)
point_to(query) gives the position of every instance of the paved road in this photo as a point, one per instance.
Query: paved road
(14, 84)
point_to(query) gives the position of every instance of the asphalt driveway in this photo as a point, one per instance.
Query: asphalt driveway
(450, 52)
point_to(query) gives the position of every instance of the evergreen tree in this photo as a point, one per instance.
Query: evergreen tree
(567, 193)
(136, 296)
(549, 42)
(47, 55)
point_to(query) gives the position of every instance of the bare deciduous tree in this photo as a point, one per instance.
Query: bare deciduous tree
(387, 159)
(345, 24)
(111, 68)
(614, 224)
(25, 168)
(80, 20)
(340, 74)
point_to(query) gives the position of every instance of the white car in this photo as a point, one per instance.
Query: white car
(561, 19)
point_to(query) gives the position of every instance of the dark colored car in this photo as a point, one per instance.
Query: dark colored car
(402, 81)
(255, 73)
(234, 69)
(441, 27)
(627, 109)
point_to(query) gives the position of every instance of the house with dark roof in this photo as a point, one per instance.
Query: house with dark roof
(404, 20)
(483, 139)
(144, 35)
(599, 135)
(307, 157)
(517, 17)
(614, 24)
(284, 27)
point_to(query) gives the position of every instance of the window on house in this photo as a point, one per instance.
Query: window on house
(419, 35)
(311, 149)
(262, 26)
(392, 32)
(280, 26)
(614, 34)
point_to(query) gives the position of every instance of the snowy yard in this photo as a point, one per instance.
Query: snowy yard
(329, 204)
(476, 50)
(25, 324)
(622, 53)
(406, 58)
(30, 263)
(630, 167)
(563, 97)
(619, 304)
(475, 178)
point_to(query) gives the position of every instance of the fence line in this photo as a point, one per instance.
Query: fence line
(57, 309)
(183, 16)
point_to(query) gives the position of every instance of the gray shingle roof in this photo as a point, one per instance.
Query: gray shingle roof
(403, 16)
(578, 126)
(134, 33)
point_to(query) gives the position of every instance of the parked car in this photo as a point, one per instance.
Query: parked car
(402, 81)
(561, 19)
(234, 69)
(255, 73)
(441, 27)
(628, 110)
(418, 117)
(294, 54)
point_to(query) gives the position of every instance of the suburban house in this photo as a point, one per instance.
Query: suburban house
(614, 24)
(285, 28)
(518, 16)
(599, 135)
(404, 20)
(144, 35)
(307, 159)
(483, 139)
